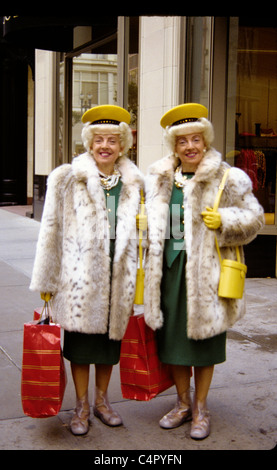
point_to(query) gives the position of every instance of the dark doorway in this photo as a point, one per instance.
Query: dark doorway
(13, 127)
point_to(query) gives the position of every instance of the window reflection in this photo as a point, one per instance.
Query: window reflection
(198, 59)
(94, 83)
(252, 115)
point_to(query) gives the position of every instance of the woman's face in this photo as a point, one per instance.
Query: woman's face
(190, 150)
(105, 149)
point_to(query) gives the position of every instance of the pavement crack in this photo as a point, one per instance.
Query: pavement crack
(9, 357)
(268, 342)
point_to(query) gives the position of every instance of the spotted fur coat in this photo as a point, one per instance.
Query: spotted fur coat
(242, 218)
(72, 257)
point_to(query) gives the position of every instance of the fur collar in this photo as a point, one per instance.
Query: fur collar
(205, 172)
(84, 167)
(85, 170)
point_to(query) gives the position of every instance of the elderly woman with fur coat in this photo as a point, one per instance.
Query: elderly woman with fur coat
(86, 255)
(182, 268)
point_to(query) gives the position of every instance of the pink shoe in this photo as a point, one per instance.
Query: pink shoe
(103, 410)
(80, 422)
(200, 426)
(180, 413)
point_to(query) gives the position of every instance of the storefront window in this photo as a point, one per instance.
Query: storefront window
(251, 108)
(60, 111)
(198, 59)
(96, 75)
(133, 77)
(94, 83)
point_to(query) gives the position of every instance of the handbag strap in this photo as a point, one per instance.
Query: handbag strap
(220, 189)
(216, 205)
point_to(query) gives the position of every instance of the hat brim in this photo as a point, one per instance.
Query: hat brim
(106, 114)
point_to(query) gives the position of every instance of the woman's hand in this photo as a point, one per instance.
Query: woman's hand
(46, 296)
(141, 221)
(211, 219)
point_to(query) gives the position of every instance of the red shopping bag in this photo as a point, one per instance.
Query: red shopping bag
(38, 313)
(142, 374)
(43, 379)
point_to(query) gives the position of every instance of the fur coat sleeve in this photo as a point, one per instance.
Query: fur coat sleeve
(242, 218)
(72, 257)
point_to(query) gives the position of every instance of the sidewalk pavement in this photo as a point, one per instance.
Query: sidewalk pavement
(242, 398)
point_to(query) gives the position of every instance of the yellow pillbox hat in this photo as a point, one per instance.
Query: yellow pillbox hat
(188, 112)
(106, 114)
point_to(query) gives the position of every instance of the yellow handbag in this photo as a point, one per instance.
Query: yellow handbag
(232, 275)
(140, 271)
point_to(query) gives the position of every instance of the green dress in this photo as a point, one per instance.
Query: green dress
(174, 347)
(81, 348)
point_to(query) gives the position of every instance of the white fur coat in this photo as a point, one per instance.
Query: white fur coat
(72, 257)
(242, 218)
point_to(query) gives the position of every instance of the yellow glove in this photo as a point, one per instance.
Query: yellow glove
(46, 296)
(141, 221)
(211, 219)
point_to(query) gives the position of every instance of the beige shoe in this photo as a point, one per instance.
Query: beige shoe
(103, 410)
(180, 413)
(80, 422)
(200, 426)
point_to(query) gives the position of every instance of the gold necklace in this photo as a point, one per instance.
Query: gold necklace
(109, 181)
(180, 178)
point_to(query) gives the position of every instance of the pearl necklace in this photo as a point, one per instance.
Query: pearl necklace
(180, 178)
(109, 181)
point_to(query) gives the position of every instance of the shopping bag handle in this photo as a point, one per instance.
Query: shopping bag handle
(47, 319)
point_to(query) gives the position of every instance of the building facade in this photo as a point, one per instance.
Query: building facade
(149, 64)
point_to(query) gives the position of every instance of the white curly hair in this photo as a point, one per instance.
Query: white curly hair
(123, 130)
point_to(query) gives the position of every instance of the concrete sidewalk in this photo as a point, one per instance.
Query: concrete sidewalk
(242, 398)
